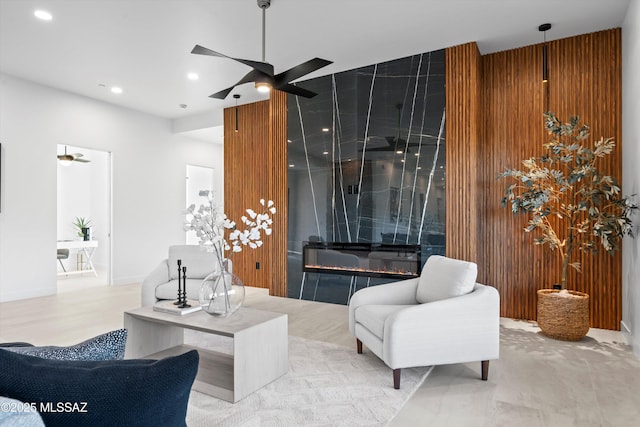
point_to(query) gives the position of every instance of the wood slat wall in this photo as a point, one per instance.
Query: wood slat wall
(278, 185)
(463, 130)
(585, 79)
(255, 167)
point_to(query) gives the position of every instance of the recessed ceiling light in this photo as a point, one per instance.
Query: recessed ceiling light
(182, 105)
(399, 152)
(419, 167)
(43, 14)
(116, 89)
(325, 152)
(289, 141)
(193, 76)
(417, 154)
(401, 160)
(325, 129)
(291, 165)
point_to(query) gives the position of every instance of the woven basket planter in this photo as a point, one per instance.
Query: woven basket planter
(563, 317)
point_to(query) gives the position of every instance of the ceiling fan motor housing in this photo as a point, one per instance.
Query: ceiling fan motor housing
(263, 4)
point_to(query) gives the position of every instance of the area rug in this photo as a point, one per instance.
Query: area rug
(327, 385)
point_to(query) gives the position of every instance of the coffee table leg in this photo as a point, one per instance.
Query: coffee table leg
(260, 356)
(145, 338)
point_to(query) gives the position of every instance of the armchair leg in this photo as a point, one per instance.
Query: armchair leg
(396, 379)
(485, 370)
(359, 345)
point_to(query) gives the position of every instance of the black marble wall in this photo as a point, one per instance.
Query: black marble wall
(367, 164)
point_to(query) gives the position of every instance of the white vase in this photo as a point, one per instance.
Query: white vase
(221, 293)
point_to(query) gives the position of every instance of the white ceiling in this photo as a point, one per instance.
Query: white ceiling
(143, 45)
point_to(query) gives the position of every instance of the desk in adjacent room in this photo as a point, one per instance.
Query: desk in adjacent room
(88, 247)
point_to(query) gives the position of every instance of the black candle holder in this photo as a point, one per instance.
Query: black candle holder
(182, 299)
(179, 301)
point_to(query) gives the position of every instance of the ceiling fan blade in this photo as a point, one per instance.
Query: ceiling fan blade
(301, 70)
(82, 160)
(201, 50)
(256, 65)
(399, 142)
(295, 90)
(249, 77)
(77, 155)
(223, 93)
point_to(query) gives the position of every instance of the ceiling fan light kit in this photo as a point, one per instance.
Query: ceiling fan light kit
(263, 87)
(262, 73)
(66, 159)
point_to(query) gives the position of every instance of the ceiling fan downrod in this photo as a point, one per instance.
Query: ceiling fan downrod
(264, 5)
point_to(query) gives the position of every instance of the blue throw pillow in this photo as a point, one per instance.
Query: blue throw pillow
(15, 344)
(109, 346)
(135, 392)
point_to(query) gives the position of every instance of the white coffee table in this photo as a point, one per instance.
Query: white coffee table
(260, 347)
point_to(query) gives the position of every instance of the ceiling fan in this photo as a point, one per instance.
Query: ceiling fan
(262, 73)
(395, 143)
(66, 159)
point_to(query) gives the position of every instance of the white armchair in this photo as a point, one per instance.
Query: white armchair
(162, 282)
(440, 318)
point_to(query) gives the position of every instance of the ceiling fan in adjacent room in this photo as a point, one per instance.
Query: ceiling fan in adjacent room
(66, 159)
(262, 73)
(395, 143)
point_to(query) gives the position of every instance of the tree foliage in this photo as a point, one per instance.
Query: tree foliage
(565, 183)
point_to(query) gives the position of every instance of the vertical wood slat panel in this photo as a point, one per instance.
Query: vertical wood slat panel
(591, 66)
(463, 130)
(244, 179)
(278, 190)
(584, 79)
(255, 167)
(513, 95)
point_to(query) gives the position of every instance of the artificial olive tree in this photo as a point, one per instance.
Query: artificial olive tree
(565, 183)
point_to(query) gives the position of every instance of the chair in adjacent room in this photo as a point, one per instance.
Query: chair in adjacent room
(63, 254)
(440, 318)
(162, 282)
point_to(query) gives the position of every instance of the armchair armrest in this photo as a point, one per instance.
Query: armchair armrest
(157, 277)
(454, 330)
(396, 293)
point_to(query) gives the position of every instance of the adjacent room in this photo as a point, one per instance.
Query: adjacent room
(277, 212)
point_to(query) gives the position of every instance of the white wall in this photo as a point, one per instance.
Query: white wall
(630, 170)
(148, 182)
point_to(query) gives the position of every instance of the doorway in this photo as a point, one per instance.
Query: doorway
(200, 178)
(83, 218)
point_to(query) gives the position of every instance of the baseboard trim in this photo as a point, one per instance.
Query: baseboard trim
(131, 280)
(27, 294)
(628, 337)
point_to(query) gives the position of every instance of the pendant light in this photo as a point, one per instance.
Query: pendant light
(545, 60)
(236, 97)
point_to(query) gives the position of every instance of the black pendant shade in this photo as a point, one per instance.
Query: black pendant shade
(545, 52)
(236, 96)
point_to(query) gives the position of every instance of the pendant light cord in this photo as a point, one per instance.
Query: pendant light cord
(264, 20)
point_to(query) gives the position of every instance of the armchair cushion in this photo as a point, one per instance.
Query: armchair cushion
(444, 278)
(373, 317)
(198, 261)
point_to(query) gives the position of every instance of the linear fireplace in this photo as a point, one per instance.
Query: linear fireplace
(362, 259)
